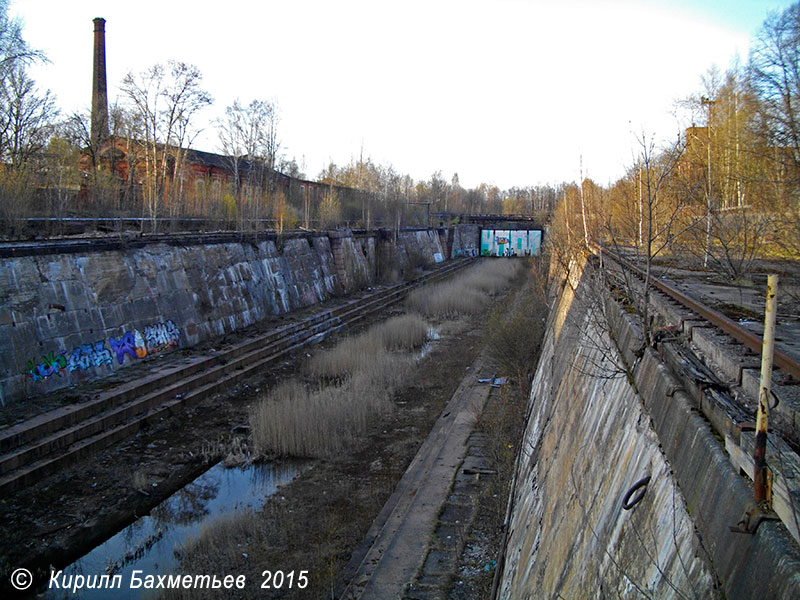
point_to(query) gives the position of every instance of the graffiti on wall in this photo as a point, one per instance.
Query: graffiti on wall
(132, 344)
(468, 252)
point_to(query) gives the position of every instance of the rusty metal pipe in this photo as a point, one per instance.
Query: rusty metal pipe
(760, 469)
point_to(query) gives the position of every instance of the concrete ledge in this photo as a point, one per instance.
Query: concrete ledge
(730, 358)
(689, 325)
(784, 465)
(788, 408)
(625, 331)
(669, 310)
(716, 495)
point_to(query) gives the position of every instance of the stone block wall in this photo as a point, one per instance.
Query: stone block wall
(466, 241)
(66, 318)
(354, 260)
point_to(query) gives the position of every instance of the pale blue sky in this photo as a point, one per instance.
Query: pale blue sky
(743, 15)
(510, 92)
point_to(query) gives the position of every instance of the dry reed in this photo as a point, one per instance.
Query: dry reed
(404, 332)
(293, 421)
(362, 372)
(370, 350)
(467, 293)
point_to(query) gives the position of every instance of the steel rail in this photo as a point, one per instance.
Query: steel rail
(748, 339)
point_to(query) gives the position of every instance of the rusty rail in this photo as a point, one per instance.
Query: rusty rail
(748, 339)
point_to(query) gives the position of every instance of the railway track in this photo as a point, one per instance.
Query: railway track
(722, 376)
(48, 442)
(715, 318)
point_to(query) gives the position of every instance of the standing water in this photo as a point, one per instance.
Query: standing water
(433, 335)
(148, 544)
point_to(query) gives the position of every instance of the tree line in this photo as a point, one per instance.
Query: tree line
(721, 195)
(723, 192)
(145, 167)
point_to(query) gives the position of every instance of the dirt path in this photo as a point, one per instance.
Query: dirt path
(396, 545)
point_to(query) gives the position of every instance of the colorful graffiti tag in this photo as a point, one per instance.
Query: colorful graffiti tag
(468, 252)
(133, 344)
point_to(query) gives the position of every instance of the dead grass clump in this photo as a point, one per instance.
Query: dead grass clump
(267, 431)
(362, 372)
(468, 293)
(237, 453)
(370, 349)
(219, 542)
(383, 371)
(293, 421)
(492, 276)
(346, 357)
(404, 332)
(446, 300)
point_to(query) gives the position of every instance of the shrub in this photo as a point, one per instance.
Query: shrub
(515, 330)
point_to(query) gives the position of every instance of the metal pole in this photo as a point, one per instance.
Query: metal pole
(761, 481)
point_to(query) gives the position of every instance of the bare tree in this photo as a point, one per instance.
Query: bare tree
(330, 209)
(248, 139)
(14, 51)
(165, 99)
(775, 76)
(661, 214)
(27, 118)
(183, 97)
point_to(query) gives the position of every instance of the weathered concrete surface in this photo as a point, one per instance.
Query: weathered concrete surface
(67, 318)
(399, 538)
(737, 367)
(601, 418)
(765, 565)
(424, 244)
(466, 241)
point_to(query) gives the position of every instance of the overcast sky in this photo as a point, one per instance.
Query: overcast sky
(510, 92)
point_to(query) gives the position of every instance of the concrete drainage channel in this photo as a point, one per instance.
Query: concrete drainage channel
(439, 569)
(46, 443)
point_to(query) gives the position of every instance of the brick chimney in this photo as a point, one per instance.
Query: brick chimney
(99, 130)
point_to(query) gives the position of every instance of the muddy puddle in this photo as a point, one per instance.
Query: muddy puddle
(148, 544)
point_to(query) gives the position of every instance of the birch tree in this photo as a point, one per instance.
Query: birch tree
(248, 138)
(775, 76)
(166, 98)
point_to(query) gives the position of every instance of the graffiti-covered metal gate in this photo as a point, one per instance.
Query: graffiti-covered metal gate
(510, 242)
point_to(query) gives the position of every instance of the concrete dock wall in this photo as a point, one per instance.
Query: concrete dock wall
(66, 318)
(605, 413)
